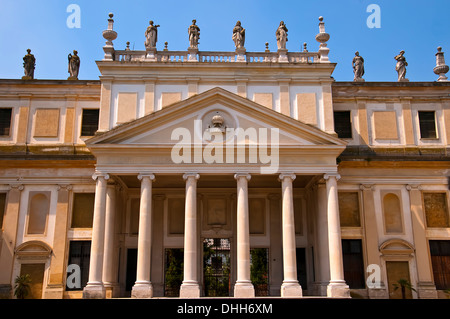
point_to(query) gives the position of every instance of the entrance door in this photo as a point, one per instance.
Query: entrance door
(36, 272)
(216, 267)
(398, 273)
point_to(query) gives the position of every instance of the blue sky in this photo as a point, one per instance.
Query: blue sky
(418, 27)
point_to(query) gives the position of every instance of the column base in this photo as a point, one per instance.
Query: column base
(426, 291)
(112, 290)
(6, 291)
(291, 290)
(338, 290)
(94, 291)
(142, 290)
(190, 290)
(244, 290)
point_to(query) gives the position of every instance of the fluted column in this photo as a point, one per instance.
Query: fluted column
(337, 286)
(143, 287)
(290, 286)
(190, 287)
(243, 287)
(94, 288)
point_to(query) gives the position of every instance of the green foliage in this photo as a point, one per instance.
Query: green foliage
(22, 286)
(403, 284)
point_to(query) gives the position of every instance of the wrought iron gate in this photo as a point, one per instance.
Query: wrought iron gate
(216, 267)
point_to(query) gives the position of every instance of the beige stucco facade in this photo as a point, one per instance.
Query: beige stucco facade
(164, 174)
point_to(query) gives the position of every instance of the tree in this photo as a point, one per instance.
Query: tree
(403, 284)
(22, 287)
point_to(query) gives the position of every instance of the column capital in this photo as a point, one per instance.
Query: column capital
(96, 175)
(328, 175)
(412, 187)
(190, 175)
(237, 176)
(367, 187)
(282, 176)
(16, 186)
(146, 175)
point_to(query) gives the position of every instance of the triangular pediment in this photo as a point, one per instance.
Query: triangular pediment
(205, 115)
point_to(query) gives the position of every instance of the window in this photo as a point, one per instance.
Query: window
(353, 263)
(5, 121)
(38, 212)
(89, 122)
(392, 214)
(343, 124)
(79, 254)
(427, 124)
(83, 210)
(436, 209)
(440, 260)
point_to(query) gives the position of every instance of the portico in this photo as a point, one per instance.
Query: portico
(230, 200)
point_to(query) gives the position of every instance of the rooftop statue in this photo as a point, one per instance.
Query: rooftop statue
(358, 67)
(29, 63)
(74, 65)
(401, 65)
(151, 35)
(238, 35)
(281, 35)
(194, 34)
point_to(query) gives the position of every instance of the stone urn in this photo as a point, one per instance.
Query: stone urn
(441, 68)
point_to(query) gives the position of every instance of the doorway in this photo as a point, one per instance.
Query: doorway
(216, 267)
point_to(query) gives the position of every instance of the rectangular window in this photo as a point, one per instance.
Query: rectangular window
(353, 263)
(83, 210)
(440, 260)
(343, 124)
(349, 209)
(436, 209)
(427, 123)
(5, 121)
(89, 122)
(79, 255)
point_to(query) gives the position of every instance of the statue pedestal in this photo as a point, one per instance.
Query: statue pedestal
(192, 54)
(240, 52)
(359, 80)
(282, 56)
(151, 54)
(72, 78)
(26, 77)
(403, 80)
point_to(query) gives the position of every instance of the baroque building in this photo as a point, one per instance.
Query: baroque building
(193, 173)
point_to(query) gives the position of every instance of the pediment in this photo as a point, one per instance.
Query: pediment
(198, 115)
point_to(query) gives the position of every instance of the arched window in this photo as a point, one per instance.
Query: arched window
(38, 213)
(392, 214)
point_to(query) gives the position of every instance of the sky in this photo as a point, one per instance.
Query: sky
(417, 27)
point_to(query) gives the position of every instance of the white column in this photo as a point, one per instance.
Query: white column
(190, 287)
(143, 287)
(337, 286)
(321, 248)
(94, 288)
(109, 278)
(243, 287)
(290, 286)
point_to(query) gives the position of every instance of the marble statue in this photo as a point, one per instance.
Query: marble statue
(194, 34)
(358, 67)
(238, 35)
(29, 63)
(74, 65)
(151, 35)
(281, 35)
(401, 65)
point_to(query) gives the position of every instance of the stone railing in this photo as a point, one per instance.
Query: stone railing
(216, 56)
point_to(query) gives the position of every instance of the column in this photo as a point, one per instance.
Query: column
(322, 251)
(143, 287)
(425, 285)
(94, 288)
(57, 272)
(8, 243)
(190, 287)
(337, 286)
(290, 286)
(243, 287)
(109, 276)
(376, 290)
